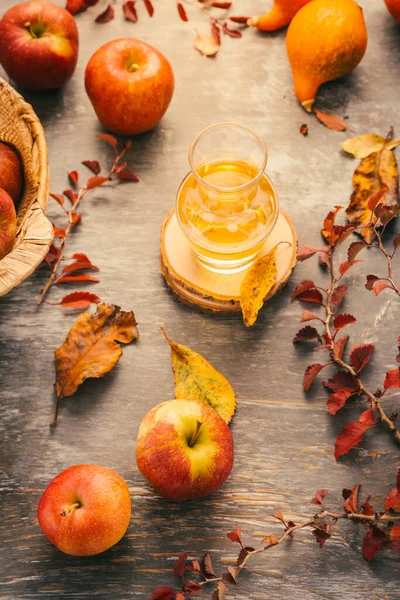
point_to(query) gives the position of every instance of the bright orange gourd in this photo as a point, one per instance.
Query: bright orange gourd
(279, 16)
(325, 40)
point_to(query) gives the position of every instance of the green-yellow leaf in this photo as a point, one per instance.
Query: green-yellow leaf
(196, 379)
(362, 146)
(256, 285)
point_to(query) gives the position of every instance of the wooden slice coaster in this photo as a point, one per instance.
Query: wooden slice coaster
(195, 285)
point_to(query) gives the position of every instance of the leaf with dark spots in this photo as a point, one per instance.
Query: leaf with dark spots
(331, 121)
(340, 346)
(182, 11)
(310, 374)
(343, 320)
(106, 16)
(179, 565)
(338, 294)
(372, 542)
(206, 566)
(93, 165)
(127, 175)
(351, 499)
(319, 497)
(354, 249)
(306, 251)
(306, 334)
(129, 10)
(360, 356)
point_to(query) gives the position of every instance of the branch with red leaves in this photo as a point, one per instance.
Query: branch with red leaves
(382, 528)
(347, 382)
(74, 272)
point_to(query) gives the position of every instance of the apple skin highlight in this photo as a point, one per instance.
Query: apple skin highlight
(175, 469)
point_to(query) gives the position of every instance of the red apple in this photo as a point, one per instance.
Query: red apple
(394, 8)
(130, 85)
(38, 44)
(11, 177)
(184, 449)
(85, 510)
(8, 223)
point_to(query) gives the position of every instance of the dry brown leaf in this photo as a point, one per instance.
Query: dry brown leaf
(375, 173)
(331, 121)
(362, 146)
(256, 284)
(206, 44)
(196, 379)
(91, 349)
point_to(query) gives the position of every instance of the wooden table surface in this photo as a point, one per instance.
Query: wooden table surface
(284, 438)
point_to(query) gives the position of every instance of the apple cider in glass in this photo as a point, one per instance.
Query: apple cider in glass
(227, 205)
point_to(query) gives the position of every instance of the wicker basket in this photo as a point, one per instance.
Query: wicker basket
(20, 127)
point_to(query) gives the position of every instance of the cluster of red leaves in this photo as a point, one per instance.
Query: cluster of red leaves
(347, 381)
(381, 529)
(81, 266)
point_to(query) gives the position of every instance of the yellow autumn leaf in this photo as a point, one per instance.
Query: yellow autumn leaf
(256, 285)
(196, 379)
(362, 146)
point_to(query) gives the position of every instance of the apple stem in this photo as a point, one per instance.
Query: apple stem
(133, 68)
(69, 510)
(28, 26)
(195, 434)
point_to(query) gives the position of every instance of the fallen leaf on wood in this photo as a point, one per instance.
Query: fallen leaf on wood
(331, 121)
(79, 300)
(129, 10)
(196, 379)
(206, 44)
(91, 348)
(362, 146)
(377, 172)
(182, 11)
(256, 285)
(149, 7)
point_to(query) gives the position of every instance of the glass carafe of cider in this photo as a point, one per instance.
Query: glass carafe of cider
(227, 206)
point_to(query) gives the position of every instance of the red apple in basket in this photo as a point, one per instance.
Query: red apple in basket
(184, 449)
(394, 8)
(130, 85)
(11, 177)
(8, 223)
(85, 510)
(38, 44)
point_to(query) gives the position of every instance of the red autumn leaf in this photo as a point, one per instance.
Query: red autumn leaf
(79, 300)
(230, 576)
(235, 536)
(340, 345)
(341, 321)
(279, 516)
(351, 499)
(192, 586)
(319, 497)
(149, 7)
(392, 379)
(395, 538)
(308, 316)
(372, 542)
(224, 5)
(215, 33)
(386, 213)
(329, 224)
(379, 287)
(350, 436)
(396, 241)
(81, 257)
(331, 121)
(180, 596)
(127, 175)
(302, 287)
(306, 251)
(304, 129)
(371, 279)
(109, 139)
(337, 400)
(58, 232)
(360, 356)
(182, 11)
(345, 266)
(95, 181)
(239, 19)
(105, 16)
(346, 231)
(163, 593)
(310, 374)
(322, 534)
(368, 417)
(58, 198)
(375, 199)
(341, 380)
(74, 278)
(353, 250)
(72, 196)
(307, 333)
(75, 217)
(338, 294)
(73, 177)
(312, 296)
(93, 165)
(179, 565)
(79, 266)
(194, 567)
(120, 167)
(234, 33)
(323, 259)
(367, 508)
(206, 566)
(219, 592)
(52, 255)
(76, 6)
(129, 10)
(393, 498)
